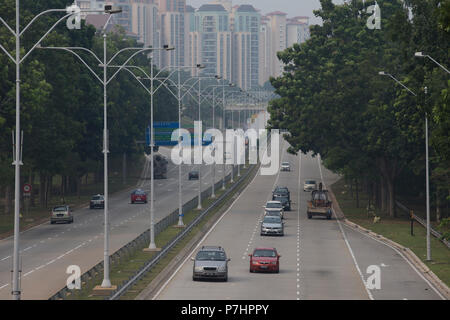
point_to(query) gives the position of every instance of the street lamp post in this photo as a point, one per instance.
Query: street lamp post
(106, 283)
(17, 60)
(422, 55)
(179, 97)
(427, 174)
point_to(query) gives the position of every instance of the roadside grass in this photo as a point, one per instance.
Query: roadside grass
(37, 215)
(130, 265)
(397, 229)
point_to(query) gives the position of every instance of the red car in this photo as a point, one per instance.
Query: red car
(138, 196)
(265, 259)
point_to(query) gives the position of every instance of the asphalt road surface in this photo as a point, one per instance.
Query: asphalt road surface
(47, 250)
(321, 259)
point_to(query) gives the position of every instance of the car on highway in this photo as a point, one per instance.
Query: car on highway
(97, 201)
(285, 202)
(272, 226)
(310, 185)
(61, 214)
(211, 262)
(285, 166)
(281, 191)
(272, 213)
(193, 175)
(138, 195)
(265, 260)
(274, 206)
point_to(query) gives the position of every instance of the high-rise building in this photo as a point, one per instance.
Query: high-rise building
(277, 23)
(265, 50)
(297, 30)
(212, 39)
(173, 33)
(246, 29)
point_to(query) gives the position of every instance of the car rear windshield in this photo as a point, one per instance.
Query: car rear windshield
(272, 219)
(281, 199)
(264, 253)
(310, 182)
(60, 209)
(285, 163)
(211, 256)
(97, 198)
(273, 205)
(139, 192)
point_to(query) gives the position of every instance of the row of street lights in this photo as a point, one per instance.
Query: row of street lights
(105, 80)
(427, 170)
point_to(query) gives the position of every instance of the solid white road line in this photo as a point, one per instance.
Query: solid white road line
(403, 256)
(201, 241)
(345, 237)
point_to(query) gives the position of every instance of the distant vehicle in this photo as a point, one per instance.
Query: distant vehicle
(285, 202)
(211, 262)
(265, 259)
(281, 191)
(193, 175)
(285, 166)
(159, 166)
(97, 201)
(319, 205)
(138, 196)
(310, 185)
(274, 206)
(272, 225)
(61, 214)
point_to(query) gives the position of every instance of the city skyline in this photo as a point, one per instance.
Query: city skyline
(293, 8)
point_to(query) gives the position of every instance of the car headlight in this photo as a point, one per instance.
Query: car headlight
(273, 262)
(198, 269)
(255, 262)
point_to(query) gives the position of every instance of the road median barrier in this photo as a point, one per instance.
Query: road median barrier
(142, 241)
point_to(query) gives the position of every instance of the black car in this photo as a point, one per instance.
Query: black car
(285, 202)
(281, 192)
(97, 201)
(193, 175)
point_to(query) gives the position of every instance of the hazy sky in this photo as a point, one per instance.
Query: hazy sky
(291, 7)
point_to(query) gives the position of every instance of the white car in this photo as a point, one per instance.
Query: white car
(274, 206)
(285, 166)
(310, 185)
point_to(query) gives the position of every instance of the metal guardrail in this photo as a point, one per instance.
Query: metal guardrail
(423, 223)
(122, 289)
(143, 239)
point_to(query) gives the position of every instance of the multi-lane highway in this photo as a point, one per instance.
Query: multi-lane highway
(47, 250)
(320, 259)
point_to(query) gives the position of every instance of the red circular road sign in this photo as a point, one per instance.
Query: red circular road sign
(26, 188)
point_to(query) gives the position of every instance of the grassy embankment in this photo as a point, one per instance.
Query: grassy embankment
(396, 229)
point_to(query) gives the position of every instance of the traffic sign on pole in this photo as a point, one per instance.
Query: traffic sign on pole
(26, 190)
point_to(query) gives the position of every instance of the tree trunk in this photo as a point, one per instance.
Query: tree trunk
(42, 188)
(391, 197)
(62, 187)
(357, 193)
(124, 169)
(438, 206)
(79, 187)
(8, 199)
(32, 199)
(388, 169)
(351, 188)
(383, 194)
